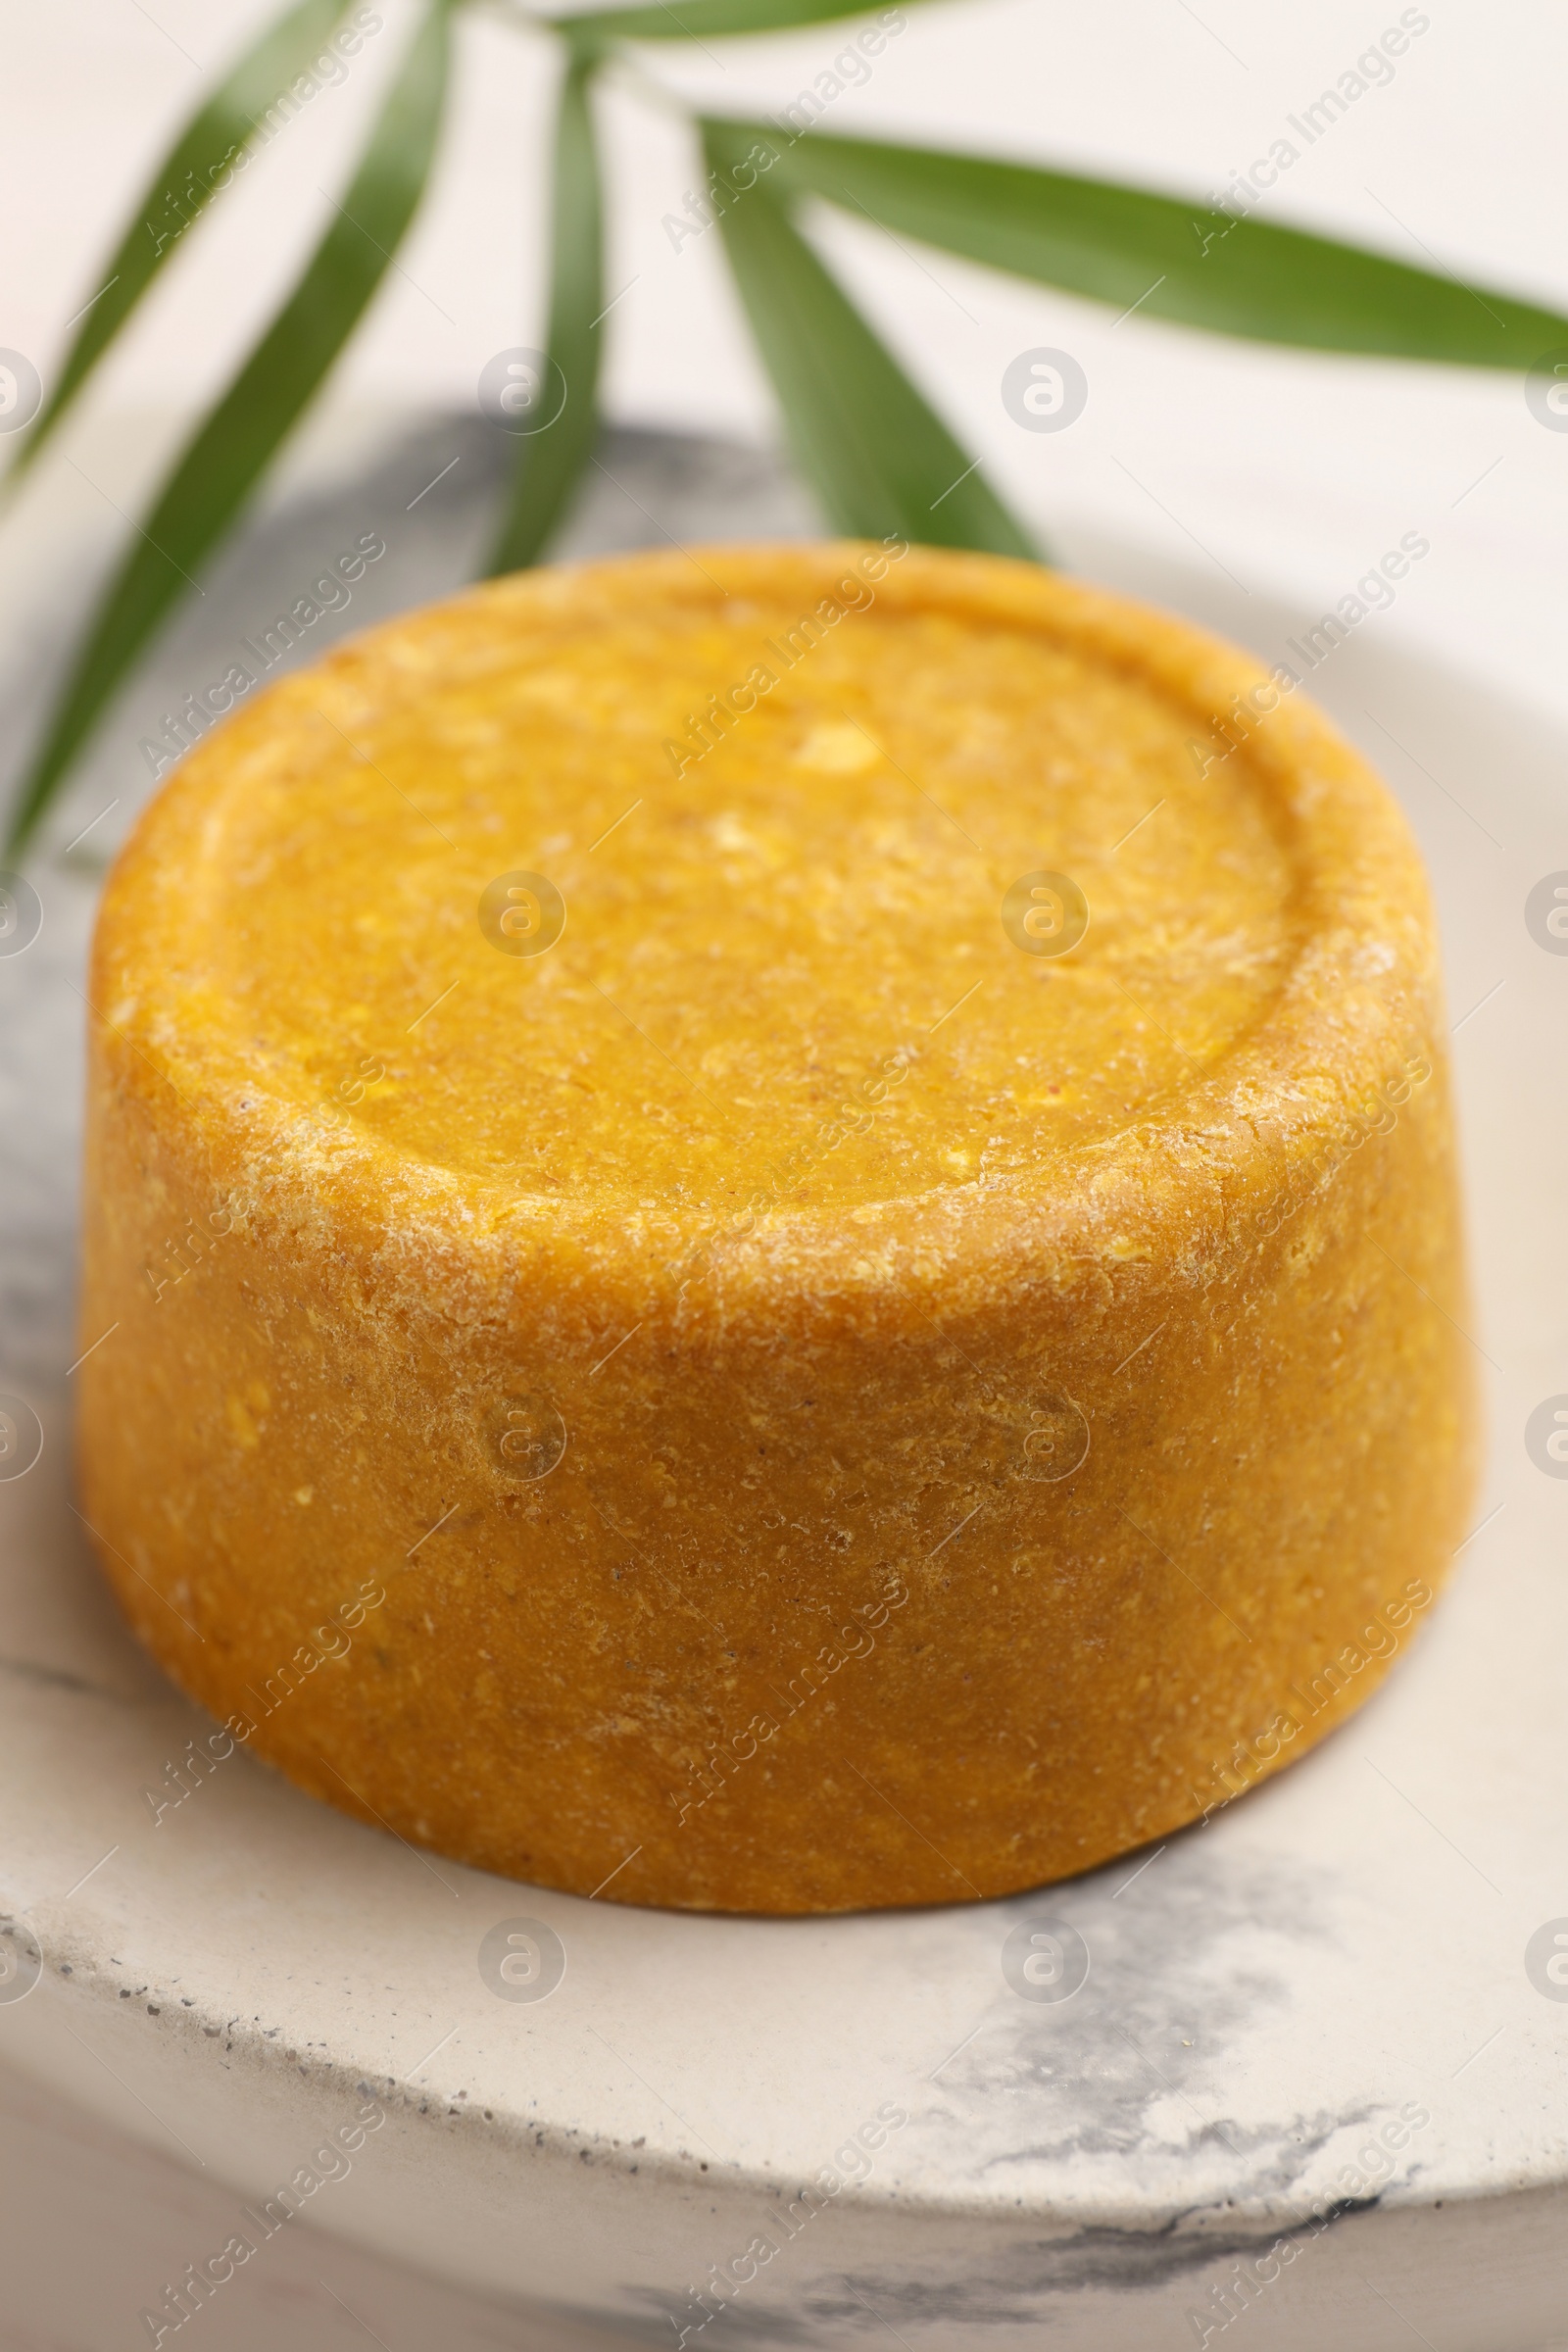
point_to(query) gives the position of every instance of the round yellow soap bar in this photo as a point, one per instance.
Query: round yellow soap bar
(777, 1228)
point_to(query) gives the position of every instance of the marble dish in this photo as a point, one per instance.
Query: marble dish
(1307, 2082)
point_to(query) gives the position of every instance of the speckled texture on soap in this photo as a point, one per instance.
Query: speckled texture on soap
(815, 1403)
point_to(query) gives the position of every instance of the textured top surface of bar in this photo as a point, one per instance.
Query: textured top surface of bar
(782, 817)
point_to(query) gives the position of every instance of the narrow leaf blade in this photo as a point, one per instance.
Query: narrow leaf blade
(1170, 258)
(221, 133)
(877, 455)
(222, 465)
(709, 19)
(550, 463)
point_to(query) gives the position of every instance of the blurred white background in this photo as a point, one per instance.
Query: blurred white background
(1288, 469)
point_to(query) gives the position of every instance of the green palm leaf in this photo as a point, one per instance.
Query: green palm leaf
(551, 462)
(706, 20)
(878, 456)
(222, 463)
(1173, 259)
(220, 130)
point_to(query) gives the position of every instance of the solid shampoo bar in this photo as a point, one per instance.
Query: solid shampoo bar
(776, 1228)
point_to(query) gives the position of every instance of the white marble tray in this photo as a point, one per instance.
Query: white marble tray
(1266, 1996)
